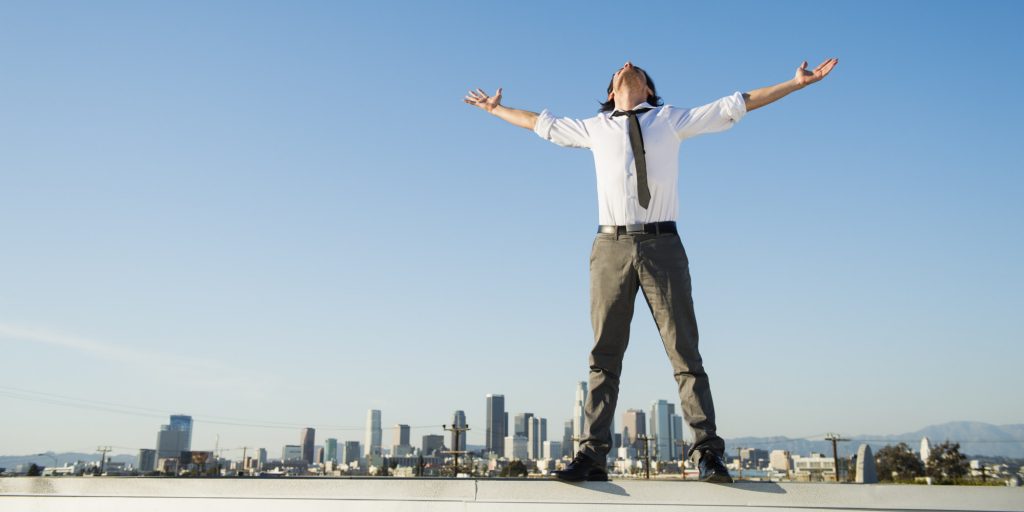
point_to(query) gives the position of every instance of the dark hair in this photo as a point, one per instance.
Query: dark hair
(653, 98)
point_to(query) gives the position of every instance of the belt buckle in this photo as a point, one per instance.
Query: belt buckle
(635, 228)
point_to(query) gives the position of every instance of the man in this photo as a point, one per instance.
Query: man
(635, 140)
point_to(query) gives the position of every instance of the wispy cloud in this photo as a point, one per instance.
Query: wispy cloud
(105, 350)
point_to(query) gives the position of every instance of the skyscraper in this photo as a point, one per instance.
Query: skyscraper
(147, 460)
(433, 444)
(515, 448)
(352, 452)
(552, 449)
(634, 424)
(174, 438)
(306, 442)
(532, 437)
(661, 428)
(291, 453)
(373, 433)
(458, 438)
(578, 418)
(496, 421)
(567, 439)
(522, 426)
(400, 446)
(678, 450)
(543, 431)
(331, 444)
(183, 423)
(536, 435)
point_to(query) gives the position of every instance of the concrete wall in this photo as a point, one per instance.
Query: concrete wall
(109, 494)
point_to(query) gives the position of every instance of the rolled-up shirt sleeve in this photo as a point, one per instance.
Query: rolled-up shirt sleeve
(719, 115)
(564, 131)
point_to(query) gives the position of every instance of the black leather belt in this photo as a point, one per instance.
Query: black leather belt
(653, 228)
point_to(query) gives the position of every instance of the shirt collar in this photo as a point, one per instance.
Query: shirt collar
(639, 105)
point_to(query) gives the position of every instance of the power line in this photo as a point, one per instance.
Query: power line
(96, 405)
(149, 412)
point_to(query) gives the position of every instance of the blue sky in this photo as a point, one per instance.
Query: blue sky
(284, 212)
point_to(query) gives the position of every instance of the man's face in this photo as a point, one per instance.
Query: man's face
(629, 77)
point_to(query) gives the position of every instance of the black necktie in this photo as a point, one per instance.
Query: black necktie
(636, 140)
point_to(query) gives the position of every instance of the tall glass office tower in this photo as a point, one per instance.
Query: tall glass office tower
(183, 423)
(307, 440)
(373, 433)
(496, 421)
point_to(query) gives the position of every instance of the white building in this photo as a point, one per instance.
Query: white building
(552, 449)
(817, 467)
(515, 448)
(780, 460)
(578, 417)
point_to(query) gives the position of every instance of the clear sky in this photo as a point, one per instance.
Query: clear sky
(283, 212)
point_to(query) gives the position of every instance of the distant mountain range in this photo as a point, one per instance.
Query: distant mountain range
(975, 438)
(10, 461)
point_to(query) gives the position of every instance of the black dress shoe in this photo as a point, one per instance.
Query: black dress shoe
(582, 468)
(712, 469)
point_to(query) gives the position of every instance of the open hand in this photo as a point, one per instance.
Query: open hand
(480, 99)
(804, 78)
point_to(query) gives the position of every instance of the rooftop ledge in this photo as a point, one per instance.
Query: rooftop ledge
(436, 494)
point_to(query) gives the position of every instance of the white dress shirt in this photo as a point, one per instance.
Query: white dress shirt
(663, 129)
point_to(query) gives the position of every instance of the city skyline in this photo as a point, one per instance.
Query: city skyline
(633, 422)
(191, 207)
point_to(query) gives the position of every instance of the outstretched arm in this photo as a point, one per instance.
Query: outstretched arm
(492, 104)
(765, 95)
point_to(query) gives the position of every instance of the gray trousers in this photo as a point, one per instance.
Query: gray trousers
(657, 264)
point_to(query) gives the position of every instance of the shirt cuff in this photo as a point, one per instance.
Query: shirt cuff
(735, 107)
(543, 125)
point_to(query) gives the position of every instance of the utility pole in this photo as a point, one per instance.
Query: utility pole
(647, 453)
(457, 430)
(739, 461)
(103, 460)
(835, 457)
(682, 456)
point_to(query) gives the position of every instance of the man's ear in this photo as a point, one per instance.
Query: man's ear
(611, 95)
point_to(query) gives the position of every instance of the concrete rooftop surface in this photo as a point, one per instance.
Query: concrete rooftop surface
(109, 494)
